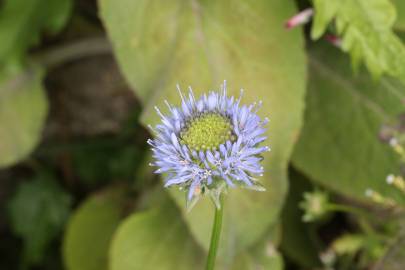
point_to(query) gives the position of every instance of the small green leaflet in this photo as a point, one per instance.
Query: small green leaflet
(365, 27)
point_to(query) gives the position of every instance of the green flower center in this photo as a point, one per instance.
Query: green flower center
(207, 132)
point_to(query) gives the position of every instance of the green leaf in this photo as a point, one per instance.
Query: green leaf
(339, 145)
(38, 212)
(400, 22)
(155, 239)
(200, 43)
(22, 21)
(90, 230)
(366, 30)
(23, 109)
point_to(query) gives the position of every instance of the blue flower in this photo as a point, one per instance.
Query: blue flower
(209, 144)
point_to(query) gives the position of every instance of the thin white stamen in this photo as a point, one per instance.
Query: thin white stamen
(180, 93)
(168, 104)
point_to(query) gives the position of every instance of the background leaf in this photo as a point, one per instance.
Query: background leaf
(23, 109)
(38, 212)
(201, 43)
(156, 239)
(90, 230)
(339, 145)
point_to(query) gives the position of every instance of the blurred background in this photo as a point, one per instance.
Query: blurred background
(78, 83)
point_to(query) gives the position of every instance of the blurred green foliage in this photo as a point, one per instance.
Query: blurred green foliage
(38, 211)
(331, 123)
(366, 33)
(23, 21)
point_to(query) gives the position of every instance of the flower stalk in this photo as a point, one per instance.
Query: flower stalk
(215, 235)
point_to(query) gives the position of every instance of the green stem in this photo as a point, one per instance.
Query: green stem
(215, 235)
(349, 209)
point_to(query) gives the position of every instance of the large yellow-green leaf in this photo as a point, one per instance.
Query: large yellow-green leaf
(23, 109)
(339, 145)
(200, 43)
(156, 239)
(90, 229)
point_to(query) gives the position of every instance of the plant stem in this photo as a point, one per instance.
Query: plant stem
(349, 209)
(215, 235)
(53, 57)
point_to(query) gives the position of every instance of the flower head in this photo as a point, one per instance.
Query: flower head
(314, 205)
(209, 144)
